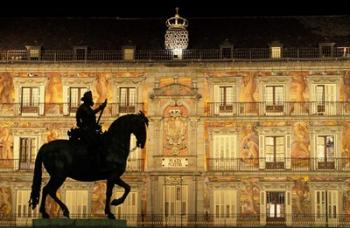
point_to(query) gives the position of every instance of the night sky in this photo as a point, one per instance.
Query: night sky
(164, 8)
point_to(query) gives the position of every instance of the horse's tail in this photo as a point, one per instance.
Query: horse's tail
(36, 186)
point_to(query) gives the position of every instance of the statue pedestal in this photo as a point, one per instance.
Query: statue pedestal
(89, 223)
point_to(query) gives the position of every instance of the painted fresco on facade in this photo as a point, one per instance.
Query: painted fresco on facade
(6, 144)
(52, 207)
(5, 202)
(346, 144)
(175, 130)
(249, 146)
(301, 199)
(7, 93)
(249, 93)
(299, 93)
(301, 145)
(346, 200)
(249, 198)
(98, 198)
(103, 88)
(53, 96)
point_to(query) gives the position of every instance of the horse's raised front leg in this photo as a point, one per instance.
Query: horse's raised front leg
(109, 190)
(126, 187)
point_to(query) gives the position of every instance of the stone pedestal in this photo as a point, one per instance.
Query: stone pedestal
(89, 223)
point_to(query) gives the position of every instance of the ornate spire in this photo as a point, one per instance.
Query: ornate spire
(176, 36)
(176, 22)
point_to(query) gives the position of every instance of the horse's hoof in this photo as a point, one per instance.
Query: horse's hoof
(66, 214)
(111, 216)
(116, 202)
(45, 215)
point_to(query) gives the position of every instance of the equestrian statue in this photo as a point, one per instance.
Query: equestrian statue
(89, 155)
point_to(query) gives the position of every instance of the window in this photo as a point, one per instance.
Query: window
(127, 100)
(276, 52)
(274, 152)
(75, 94)
(275, 206)
(30, 100)
(325, 99)
(24, 213)
(175, 204)
(223, 154)
(274, 98)
(274, 148)
(129, 209)
(134, 161)
(27, 152)
(224, 99)
(225, 207)
(77, 202)
(326, 207)
(325, 152)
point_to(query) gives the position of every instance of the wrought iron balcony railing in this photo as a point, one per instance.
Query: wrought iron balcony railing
(133, 165)
(236, 54)
(280, 164)
(201, 220)
(311, 108)
(63, 109)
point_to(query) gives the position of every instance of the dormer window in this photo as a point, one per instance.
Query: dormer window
(80, 52)
(34, 52)
(276, 50)
(226, 50)
(326, 49)
(128, 52)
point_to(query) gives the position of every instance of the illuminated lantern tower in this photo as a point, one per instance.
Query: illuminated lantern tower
(176, 37)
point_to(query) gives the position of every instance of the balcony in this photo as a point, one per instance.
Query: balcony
(238, 54)
(10, 165)
(286, 109)
(64, 109)
(282, 164)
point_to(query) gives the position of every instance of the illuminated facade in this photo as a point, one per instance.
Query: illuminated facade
(229, 142)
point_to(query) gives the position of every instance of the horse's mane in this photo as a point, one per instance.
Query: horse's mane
(123, 122)
(118, 124)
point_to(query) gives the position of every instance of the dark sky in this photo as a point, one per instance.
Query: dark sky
(165, 8)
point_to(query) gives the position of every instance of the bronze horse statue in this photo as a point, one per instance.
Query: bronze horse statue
(66, 158)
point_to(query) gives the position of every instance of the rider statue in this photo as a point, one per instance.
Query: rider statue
(89, 131)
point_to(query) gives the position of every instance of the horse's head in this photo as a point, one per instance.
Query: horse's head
(139, 129)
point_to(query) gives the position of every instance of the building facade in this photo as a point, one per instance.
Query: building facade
(236, 137)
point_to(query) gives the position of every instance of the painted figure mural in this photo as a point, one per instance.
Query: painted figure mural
(301, 198)
(249, 146)
(249, 198)
(5, 202)
(301, 145)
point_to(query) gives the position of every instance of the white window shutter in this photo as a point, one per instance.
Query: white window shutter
(333, 208)
(262, 208)
(132, 96)
(337, 160)
(261, 151)
(216, 99)
(122, 98)
(313, 98)
(41, 100)
(330, 99)
(65, 100)
(288, 157)
(288, 203)
(16, 152)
